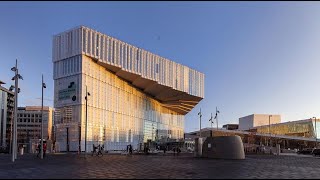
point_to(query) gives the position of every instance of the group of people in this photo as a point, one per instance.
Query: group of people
(44, 149)
(98, 150)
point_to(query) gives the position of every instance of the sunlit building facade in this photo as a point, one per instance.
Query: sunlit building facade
(29, 124)
(135, 95)
(253, 120)
(6, 115)
(308, 128)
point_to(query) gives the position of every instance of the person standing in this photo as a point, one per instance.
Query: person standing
(100, 150)
(130, 149)
(44, 149)
(39, 149)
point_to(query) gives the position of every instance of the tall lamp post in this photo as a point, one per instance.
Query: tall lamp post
(210, 120)
(216, 117)
(315, 130)
(85, 142)
(199, 113)
(43, 85)
(270, 133)
(152, 133)
(16, 78)
(11, 125)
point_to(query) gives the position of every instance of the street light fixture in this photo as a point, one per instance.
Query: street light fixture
(43, 85)
(210, 120)
(11, 88)
(16, 78)
(315, 129)
(270, 133)
(152, 133)
(199, 113)
(216, 117)
(85, 142)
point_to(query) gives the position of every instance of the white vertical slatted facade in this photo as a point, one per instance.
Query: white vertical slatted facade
(132, 59)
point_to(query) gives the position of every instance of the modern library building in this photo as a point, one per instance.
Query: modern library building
(109, 92)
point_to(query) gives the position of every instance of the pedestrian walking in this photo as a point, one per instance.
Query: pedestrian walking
(44, 149)
(130, 149)
(94, 149)
(39, 149)
(100, 150)
(178, 151)
(127, 149)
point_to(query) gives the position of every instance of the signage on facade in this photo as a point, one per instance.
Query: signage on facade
(68, 93)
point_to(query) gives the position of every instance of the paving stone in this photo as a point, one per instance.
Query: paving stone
(73, 166)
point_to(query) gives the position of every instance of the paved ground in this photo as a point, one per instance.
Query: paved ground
(158, 166)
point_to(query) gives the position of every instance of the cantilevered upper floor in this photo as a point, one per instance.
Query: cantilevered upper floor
(176, 86)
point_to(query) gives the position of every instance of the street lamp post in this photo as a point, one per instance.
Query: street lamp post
(14, 149)
(270, 132)
(216, 117)
(16, 78)
(152, 132)
(199, 113)
(43, 85)
(85, 142)
(210, 120)
(315, 129)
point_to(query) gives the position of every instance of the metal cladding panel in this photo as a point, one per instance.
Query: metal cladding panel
(66, 44)
(129, 62)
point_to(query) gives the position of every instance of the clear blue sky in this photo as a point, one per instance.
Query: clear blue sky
(257, 57)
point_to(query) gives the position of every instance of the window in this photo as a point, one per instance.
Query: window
(72, 65)
(157, 68)
(121, 55)
(138, 61)
(84, 39)
(114, 51)
(110, 50)
(93, 44)
(97, 42)
(146, 65)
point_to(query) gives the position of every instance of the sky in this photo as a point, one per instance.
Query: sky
(257, 57)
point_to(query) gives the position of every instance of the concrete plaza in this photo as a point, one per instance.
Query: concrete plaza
(158, 166)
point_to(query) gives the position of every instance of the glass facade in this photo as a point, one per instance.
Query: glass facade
(3, 117)
(129, 92)
(302, 128)
(6, 116)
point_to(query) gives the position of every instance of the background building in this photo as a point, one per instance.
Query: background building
(293, 135)
(6, 116)
(135, 95)
(302, 128)
(230, 126)
(248, 122)
(29, 124)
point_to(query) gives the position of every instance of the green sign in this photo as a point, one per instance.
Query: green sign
(68, 93)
